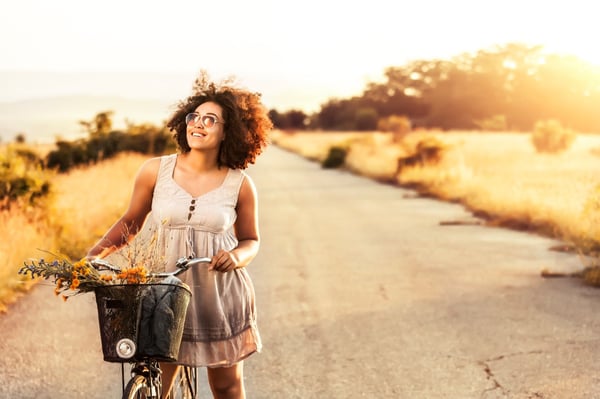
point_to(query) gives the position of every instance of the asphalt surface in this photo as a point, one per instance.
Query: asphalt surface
(363, 291)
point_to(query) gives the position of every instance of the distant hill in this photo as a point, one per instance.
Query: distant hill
(43, 119)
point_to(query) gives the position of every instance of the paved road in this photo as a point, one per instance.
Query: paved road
(361, 294)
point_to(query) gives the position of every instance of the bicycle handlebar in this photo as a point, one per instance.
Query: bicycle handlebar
(181, 265)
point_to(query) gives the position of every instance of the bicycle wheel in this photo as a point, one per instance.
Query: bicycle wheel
(140, 388)
(186, 384)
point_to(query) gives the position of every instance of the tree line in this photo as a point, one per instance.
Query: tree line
(103, 142)
(508, 87)
(25, 175)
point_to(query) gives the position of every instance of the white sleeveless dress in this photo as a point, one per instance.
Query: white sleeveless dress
(220, 328)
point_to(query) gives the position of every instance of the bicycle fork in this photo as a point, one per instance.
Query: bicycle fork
(152, 373)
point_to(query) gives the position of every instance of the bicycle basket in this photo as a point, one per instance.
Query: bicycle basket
(139, 321)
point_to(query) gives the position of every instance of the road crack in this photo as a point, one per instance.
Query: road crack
(490, 376)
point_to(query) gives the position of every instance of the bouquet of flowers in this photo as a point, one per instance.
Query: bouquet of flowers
(76, 277)
(81, 276)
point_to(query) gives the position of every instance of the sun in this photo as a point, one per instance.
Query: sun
(582, 49)
(575, 35)
(587, 53)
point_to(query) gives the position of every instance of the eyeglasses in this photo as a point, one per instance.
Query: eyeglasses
(206, 120)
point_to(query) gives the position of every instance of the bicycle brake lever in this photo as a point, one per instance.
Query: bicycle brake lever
(98, 263)
(182, 263)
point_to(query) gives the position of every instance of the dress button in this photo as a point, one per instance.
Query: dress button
(191, 208)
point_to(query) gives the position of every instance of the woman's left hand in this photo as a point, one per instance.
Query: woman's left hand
(223, 261)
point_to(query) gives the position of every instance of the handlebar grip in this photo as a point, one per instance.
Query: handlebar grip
(195, 261)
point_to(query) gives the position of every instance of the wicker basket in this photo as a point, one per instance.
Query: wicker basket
(140, 321)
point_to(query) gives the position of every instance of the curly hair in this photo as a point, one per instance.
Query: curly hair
(247, 123)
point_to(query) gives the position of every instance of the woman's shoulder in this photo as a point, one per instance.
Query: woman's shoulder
(151, 166)
(155, 162)
(239, 175)
(246, 182)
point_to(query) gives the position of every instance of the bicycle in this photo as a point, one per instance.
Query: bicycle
(128, 314)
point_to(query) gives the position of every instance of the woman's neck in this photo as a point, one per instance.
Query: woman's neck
(200, 161)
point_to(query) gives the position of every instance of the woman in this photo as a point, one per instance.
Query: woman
(202, 204)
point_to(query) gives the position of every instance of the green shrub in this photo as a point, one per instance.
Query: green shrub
(147, 139)
(30, 156)
(549, 136)
(68, 155)
(588, 246)
(22, 179)
(335, 158)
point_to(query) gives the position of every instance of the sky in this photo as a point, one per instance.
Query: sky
(297, 54)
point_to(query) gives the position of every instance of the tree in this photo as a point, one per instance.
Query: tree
(276, 118)
(100, 125)
(295, 119)
(366, 119)
(20, 138)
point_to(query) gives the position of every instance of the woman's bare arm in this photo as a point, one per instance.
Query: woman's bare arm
(132, 220)
(246, 230)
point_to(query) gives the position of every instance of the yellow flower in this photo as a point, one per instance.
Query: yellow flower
(73, 277)
(75, 284)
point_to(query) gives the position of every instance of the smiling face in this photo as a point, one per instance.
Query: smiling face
(200, 136)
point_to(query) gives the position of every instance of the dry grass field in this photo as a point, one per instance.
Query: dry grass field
(89, 200)
(21, 232)
(85, 202)
(499, 176)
